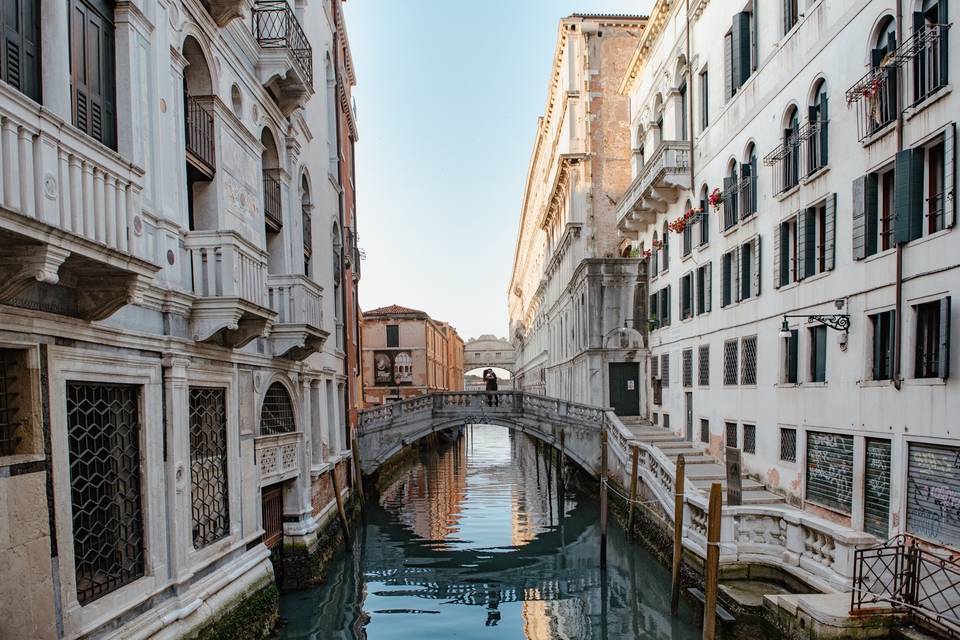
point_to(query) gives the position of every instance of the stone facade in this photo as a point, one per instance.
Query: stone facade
(576, 307)
(174, 320)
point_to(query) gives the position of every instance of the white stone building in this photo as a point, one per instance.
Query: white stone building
(574, 304)
(828, 129)
(170, 403)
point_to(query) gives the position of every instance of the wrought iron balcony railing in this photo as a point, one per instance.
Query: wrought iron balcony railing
(876, 97)
(272, 211)
(275, 26)
(785, 160)
(201, 149)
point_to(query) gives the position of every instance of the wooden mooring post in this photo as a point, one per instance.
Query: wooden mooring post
(343, 512)
(603, 500)
(677, 535)
(635, 454)
(713, 563)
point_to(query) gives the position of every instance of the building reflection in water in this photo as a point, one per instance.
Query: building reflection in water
(483, 532)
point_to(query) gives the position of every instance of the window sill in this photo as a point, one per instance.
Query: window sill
(880, 254)
(812, 177)
(749, 217)
(22, 463)
(928, 237)
(786, 385)
(867, 384)
(879, 134)
(704, 246)
(815, 385)
(684, 258)
(748, 386)
(731, 229)
(910, 112)
(925, 382)
(783, 195)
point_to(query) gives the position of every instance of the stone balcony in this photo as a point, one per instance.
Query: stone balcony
(285, 61)
(660, 182)
(278, 456)
(71, 225)
(298, 302)
(229, 278)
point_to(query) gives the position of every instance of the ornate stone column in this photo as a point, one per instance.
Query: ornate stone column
(179, 508)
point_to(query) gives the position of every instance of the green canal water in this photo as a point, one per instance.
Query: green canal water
(483, 538)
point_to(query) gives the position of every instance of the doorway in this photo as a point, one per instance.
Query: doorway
(688, 403)
(625, 388)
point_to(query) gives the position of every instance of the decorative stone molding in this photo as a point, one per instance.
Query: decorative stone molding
(99, 297)
(223, 11)
(230, 322)
(21, 266)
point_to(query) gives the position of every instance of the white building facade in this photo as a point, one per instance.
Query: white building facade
(801, 310)
(171, 407)
(574, 304)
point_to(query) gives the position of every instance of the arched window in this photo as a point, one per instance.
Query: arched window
(199, 136)
(731, 185)
(276, 414)
(687, 231)
(665, 263)
(306, 216)
(791, 141)
(654, 257)
(748, 182)
(272, 202)
(638, 151)
(817, 148)
(658, 121)
(930, 32)
(704, 224)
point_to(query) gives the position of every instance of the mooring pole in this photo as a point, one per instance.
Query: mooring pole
(713, 563)
(677, 535)
(635, 453)
(357, 473)
(343, 512)
(603, 499)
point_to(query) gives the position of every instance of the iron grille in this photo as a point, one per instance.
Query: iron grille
(732, 434)
(271, 201)
(788, 445)
(704, 364)
(665, 369)
(307, 220)
(688, 367)
(814, 135)
(747, 189)
(208, 465)
(785, 160)
(8, 403)
(275, 26)
(654, 368)
(276, 416)
(704, 430)
(103, 426)
(200, 133)
(730, 362)
(748, 360)
(749, 438)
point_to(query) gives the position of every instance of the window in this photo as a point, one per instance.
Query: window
(746, 271)
(936, 179)
(933, 339)
(92, 70)
(654, 368)
(818, 354)
(686, 296)
(790, 357)
(884, 334)
(749, 438)
(393, 335)
(731, 196)
(664, 299)
(684, 111)
(728, 277)
(704, 99)
(930, 66)
(208, 465)
(816, 135)
(790, 15)
(704, 223)
(731, 428)
(14, 403)
(790, 163)
(740, 51)
(666, 421)
(704, 430)
(829, 470)
(20, 55)
(748, 184)
(785, 252)
(276, 414)
(656, 418)
(103, 430)
(704, 366)
(748, 360)
(788, 444)
(654, 257)
(730, 362)
(887, 211)
(665, 369)
(702, 288)
(816, 232)
(688, 367)
(665, 263)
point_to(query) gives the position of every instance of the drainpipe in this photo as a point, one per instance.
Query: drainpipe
(898, 351)
(690, 118)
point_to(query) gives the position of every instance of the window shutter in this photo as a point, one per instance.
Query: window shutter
(824, 128)
(725, 280)
(708, 286)
(908, 194)
(704, 222)
(746, 206)
(944, 42)
(741, 48)
(803, 220)
(878, 345)
(669, 304)
(92, 70)
(777, 264)
(653, 311)
(830, 231)
(754, 28)
(811, 241)
(944, 356)
(756, 266)
(735, 268)
(864, 216)
(728, 66)
(729, 203)
(793, 355)
(20, 57)
(949, 174)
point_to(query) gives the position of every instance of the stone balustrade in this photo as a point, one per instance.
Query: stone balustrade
(296, 298)
(225, 265)
(278, 456)
(656, 182)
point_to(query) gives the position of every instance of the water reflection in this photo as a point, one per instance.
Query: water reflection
(482, 539)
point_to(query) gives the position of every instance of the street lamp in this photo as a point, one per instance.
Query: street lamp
(838, 321)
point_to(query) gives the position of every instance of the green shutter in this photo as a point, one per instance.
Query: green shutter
(830, 231)
(741, 48)
(708, 286)
(949, 174)
(754, 35)
(784, 254)
(810, 239)
(878, 345)
(793, 353)
(804, 220)
(756, 266)
(944, 355)
(776, 256)
(728, 66)
(669, 304)
(908, 196)
(654, 309)
(725, 280)
(704, 222)
(20, 50)
(824, 128)
(944, 43)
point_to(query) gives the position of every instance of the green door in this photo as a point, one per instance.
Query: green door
(625, 388)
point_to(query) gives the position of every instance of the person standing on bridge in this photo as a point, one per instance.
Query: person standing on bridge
(491, 379)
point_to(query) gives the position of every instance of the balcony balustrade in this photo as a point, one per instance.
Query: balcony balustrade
(229, 278)
(272, 212)
(200, 135)
(657, 185)
(71, 223)
(298, 302)
(278, 456)
(286, 57)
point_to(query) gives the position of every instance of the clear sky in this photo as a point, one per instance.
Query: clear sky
(448, 94)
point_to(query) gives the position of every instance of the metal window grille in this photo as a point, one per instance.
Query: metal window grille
(208, 465)
(275, 26)
(665, 369)
(688, 367)
(749, 438)
(732, 434)
(704, 430)
(103, 429)
(276, 416)
(8, 403)
(704, 363)
(271, 200)
(788, 445)
(730, 362)
(748, 360)
(200, 132)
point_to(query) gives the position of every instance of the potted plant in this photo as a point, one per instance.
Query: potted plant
(715, 198)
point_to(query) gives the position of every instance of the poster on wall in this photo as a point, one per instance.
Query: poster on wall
(403, 368)
(382, 368)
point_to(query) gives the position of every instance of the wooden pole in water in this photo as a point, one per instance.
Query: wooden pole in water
(713, 563)
(343, 512)
(677, 535)
(635, 453)
(357, 473)
(603, 499)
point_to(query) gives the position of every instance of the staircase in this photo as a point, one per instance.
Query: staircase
(702, 469)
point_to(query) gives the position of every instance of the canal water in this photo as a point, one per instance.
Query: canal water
(486, 538)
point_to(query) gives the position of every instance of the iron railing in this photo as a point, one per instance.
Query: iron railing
(912, 576)
(275, 26)
(747, 192)
(200, 132)
(272, 210)
(785, 160)
(936, 213)
(927, 50)
(814, 136)
(8, 403)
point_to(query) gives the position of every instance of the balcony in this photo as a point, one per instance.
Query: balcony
(200, 136)
(229, 278)
(278, 457)
(659, 184)
(272, 212)
(298, 302)
(285, 64)
(71, 224)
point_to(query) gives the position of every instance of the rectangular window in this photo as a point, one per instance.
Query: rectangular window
(746, 271)
(686, 296)
(704, 362)
(92, 76)
(701, 285)
(788, 444)
(936, 193)
(684, 111)
(688, 367)
(103, 432)
(666, 421)
(818, 354)
(704, 99)
(887, 196)
(748, 360)
(665, 369)
(393, 335)
(790, 357)
(830, 470)
(786, 251)
(730, 362)
(208, 465)
(654, 367)
(20, 54)
(790, 14)
(704, 430)
(726, 278)
(731, 434)
(883, 344)
(749, 438)
(932, 355)
(656, 418)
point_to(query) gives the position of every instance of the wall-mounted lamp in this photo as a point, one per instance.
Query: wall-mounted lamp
(839, 321)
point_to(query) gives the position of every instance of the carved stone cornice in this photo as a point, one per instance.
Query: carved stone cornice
(22, 266)
(559, 190)
(658, 19)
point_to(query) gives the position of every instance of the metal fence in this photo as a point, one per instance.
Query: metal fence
(275, 26)
(200, 132)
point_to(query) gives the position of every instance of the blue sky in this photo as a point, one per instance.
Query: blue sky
(448, 94)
